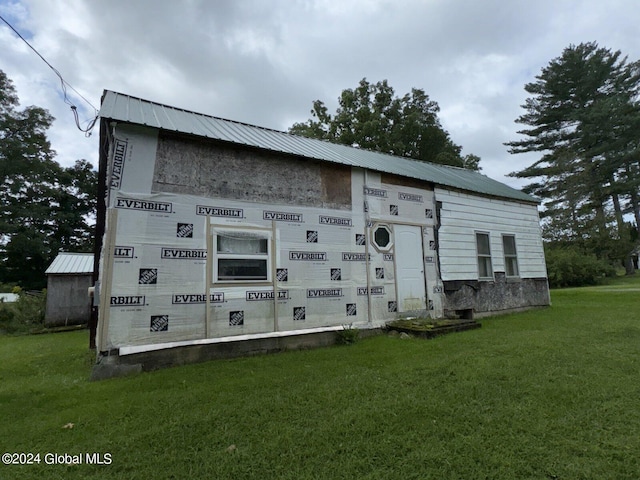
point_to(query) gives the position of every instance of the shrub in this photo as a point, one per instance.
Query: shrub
(7, 314)
(7, 287)
(24, 316)
(348, 335)
(569, 267)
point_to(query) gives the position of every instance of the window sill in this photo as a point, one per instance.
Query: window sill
(243, 283)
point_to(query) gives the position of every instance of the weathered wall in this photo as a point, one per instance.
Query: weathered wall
(216, 170)
(461, 216)
(500, 295)
(67, 300)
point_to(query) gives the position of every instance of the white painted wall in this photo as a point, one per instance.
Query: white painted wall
(462, 215)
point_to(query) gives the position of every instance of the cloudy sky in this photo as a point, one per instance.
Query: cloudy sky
(263, 62)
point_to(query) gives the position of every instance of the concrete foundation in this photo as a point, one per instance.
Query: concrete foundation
(109, 366)
(484, 298)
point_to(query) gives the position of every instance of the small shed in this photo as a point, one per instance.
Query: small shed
(68, 279)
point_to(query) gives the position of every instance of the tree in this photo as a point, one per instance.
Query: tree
(584, 117)
(44, 208)
(372, 117)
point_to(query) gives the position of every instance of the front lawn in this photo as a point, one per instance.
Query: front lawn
(547, 394)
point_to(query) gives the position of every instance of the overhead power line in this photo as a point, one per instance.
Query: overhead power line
(63, 85)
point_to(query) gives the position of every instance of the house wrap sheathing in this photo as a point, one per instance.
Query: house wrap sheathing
(213, 230)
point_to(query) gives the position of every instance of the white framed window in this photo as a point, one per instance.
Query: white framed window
(381, 237)
(241, 255)
(483, 246)
(510, 255)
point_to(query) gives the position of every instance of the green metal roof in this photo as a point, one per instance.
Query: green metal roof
(125, 108)
(71, 263)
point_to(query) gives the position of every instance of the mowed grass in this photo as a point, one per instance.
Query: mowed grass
(547, 394)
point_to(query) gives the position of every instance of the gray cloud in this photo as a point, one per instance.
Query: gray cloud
(265, 62)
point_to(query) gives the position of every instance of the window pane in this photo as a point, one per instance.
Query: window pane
(482, 239)
(511, 265)
(484, 267)
(381, 236)
(242, 269)
(509, 244)
(242, 244)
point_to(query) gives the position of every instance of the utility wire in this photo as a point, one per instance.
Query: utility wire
(63, 85)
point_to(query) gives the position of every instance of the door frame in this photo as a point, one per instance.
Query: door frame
(392, 224)
(425, 306)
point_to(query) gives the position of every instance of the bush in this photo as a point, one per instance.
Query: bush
(348, 335)
(569, 267)
(7, 287)
(24, 316)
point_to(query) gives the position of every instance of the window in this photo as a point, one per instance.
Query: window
(510, 255)
(382, 238)
(241, 256)
(484, 255)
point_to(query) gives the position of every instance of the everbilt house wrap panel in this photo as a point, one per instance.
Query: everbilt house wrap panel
(160, 279)
(211, 239)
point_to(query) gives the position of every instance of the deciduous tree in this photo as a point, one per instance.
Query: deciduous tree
(371, 116)
(44, 207)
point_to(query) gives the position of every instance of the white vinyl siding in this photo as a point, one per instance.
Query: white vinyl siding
(462, 215)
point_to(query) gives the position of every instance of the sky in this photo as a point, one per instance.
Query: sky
(264, 62)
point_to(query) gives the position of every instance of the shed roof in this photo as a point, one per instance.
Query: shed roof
(125, 108)
(71, 263)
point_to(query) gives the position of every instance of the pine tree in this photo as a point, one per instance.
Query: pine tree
(583, 115)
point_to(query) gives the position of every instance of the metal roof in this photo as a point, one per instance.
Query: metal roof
(71, 263)
(125, 108)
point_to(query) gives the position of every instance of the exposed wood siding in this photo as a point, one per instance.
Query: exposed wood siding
(216, 170)
(461, 215)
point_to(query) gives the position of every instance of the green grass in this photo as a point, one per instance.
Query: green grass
(547, 394)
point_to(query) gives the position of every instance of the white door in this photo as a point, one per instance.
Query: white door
(409, 268)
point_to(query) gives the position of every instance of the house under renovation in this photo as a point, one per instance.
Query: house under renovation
(221, 234)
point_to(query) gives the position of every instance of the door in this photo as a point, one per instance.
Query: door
(410, 279)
